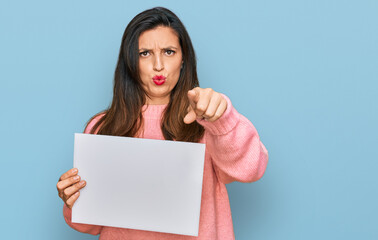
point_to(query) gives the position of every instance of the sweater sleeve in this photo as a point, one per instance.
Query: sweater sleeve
(84, 228)
(67, 212)
(235, 147)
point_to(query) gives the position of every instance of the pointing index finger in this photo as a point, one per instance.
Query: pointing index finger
(193, 95)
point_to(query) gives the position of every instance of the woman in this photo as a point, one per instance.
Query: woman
(156, 96)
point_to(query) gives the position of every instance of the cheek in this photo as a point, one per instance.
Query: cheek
(143, 68)
(175, 66)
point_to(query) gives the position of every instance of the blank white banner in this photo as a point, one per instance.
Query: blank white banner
(136, 183)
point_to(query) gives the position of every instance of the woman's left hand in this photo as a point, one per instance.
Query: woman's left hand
(205, 104)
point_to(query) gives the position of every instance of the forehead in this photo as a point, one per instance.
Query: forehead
(159, 37)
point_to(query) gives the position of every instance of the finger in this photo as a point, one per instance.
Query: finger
(69, 173)
(70, 202)
(194, 95)
(215, 101)
(61, 185)
(203, 101)
(73, 189)
(221, 109)
(190, 117)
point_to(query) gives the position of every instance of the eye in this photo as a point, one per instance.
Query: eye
(144, 54)
(169, 52)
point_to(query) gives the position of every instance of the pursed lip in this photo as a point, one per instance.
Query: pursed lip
(159, 77)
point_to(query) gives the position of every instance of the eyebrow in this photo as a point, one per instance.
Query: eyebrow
(169, 47)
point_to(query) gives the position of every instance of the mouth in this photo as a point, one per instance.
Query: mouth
(159, 79)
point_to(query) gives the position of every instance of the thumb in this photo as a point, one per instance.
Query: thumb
(190, 116)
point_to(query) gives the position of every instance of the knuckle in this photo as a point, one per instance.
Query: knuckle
(208, 115)
(75, 179)
(66, 192)
(73, 198)
(201, 108)
(77, 186)
(209, 90)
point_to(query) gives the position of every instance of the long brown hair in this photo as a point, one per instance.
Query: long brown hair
(124, 116)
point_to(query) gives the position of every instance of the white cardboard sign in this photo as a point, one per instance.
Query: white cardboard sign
(136, 183)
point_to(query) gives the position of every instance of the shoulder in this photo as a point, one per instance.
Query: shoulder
(93, 121)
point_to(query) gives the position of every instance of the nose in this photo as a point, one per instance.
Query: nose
(158, 63)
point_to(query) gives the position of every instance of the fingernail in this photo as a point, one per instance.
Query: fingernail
(76, 177)
(82, 183)
(74, 170)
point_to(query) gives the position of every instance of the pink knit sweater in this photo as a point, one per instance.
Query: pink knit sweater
(234, 152)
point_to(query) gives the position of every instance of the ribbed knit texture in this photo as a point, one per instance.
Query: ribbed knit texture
(234, 152)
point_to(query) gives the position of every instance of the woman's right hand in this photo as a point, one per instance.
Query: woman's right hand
(68, 187)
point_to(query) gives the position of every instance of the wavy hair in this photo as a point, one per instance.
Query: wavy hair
(124, 117)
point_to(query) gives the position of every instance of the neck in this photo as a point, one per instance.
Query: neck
(157, 101)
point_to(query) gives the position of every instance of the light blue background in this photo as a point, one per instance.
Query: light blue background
(304, 72)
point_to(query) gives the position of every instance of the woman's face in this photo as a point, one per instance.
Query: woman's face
(160, 60)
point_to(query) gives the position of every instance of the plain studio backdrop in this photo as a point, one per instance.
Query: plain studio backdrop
(304, 72)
